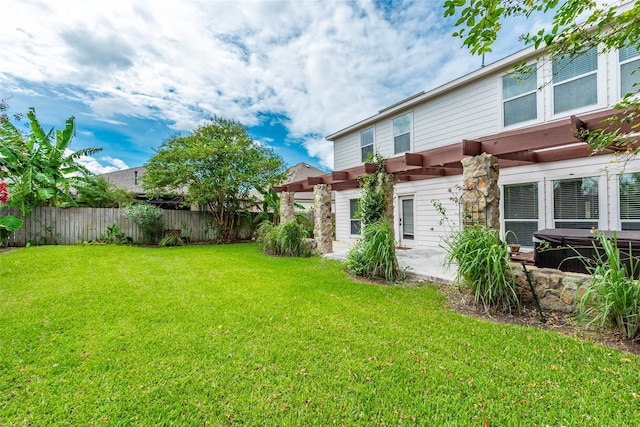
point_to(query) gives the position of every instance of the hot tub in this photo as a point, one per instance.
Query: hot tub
(573, 250)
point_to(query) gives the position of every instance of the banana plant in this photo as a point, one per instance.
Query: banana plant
(39, 168)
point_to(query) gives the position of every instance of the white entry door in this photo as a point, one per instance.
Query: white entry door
(407, 224)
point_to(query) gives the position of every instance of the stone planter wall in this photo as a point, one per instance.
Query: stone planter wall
(556, 290)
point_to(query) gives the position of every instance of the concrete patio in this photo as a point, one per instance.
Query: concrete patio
(423, 264)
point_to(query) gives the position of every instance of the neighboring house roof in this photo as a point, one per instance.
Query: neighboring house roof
(302, 170)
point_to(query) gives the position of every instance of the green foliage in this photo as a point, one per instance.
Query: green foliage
(9, 224)
(374, 254)
(171, 240)
(613, 297)
(97, 192)
(39, 169)
(576, 27)
(218, 164)
(285, 239)
(113, 235)
(372, 202)
(483, 266)
(147, 218)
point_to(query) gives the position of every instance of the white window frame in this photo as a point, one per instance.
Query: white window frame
(618, 188)
(372, 144)
(601, 89)
(619, 68)
(539, 97)
(353, 218)
(602, 198)
(410, 132)
(540, 201)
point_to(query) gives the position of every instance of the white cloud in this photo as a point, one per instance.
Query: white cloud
(322, 64)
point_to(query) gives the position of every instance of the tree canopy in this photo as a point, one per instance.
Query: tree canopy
(576, 27)
(218, 165)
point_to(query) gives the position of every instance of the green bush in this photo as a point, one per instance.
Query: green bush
(286, 239)
(374, 255)
(613, 297)
(483, 266)
(171, 240)
(147, 218)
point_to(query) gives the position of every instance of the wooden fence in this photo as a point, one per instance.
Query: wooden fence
(57, 226)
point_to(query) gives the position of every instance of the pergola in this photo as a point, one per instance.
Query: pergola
(548, 142)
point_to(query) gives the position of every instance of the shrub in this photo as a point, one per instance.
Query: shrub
(113, 235)
(374, 254)
(147, 218)
(613, 297)
(171, 240)
(483, 266)
(286, 239)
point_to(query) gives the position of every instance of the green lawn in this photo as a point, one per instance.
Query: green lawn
(219, 335)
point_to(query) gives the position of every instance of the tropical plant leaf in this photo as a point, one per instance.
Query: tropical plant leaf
(10, 223)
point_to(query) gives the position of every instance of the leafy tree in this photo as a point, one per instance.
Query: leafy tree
(577, 26)
(217, 164)
(37, 167)
(100, 193)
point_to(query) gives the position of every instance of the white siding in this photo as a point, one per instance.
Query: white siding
(346, 151)
(343, 223)
(466, 113)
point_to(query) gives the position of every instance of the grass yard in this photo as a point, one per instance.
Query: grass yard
(220, 335)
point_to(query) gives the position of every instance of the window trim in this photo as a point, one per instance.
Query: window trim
(618, 194)
(539, 111)
(619, 70)
(353, 219)
(539, 214)
(410, 132)
(373, 142)
(601, 89)
(602, 199)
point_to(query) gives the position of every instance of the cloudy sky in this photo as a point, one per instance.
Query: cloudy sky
(136, 72)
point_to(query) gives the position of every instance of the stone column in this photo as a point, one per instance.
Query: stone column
(287, 212)
(480, 199)
(322, 227)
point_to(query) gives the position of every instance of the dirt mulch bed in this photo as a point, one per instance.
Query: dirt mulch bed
(563, 323)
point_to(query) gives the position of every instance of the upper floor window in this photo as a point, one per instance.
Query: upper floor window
(575, 81)
(576, 203)
(521, 213)
(402, 134)
(520, 102)
(629, 58)
(630, 201)
(366, 143)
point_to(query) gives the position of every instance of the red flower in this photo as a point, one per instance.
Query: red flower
(4, 193)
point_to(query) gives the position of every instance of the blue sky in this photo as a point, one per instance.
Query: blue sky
(135, 72)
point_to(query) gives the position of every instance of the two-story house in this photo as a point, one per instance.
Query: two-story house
(530, 121)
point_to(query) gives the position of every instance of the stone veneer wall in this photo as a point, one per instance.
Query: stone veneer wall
(480, 198)
(556, 290)
(322, 227)
(287, 205)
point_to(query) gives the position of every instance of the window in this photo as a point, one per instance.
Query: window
(629, 58)
(366, 143)
(630, 201)
(521, 213)
(519, 96)
(575, 203)
(402, 133)
(575, 81)
(356, 225)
